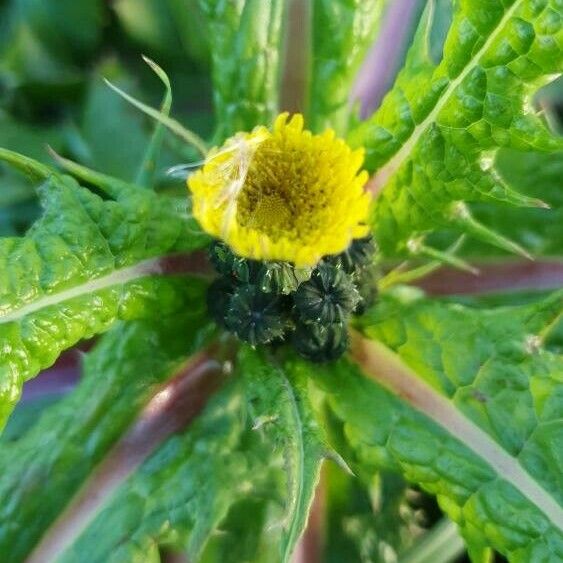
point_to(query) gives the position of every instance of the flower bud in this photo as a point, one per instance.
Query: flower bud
(365, 282)
(357, 256)
(229, 264)
(257, 317)
(328, 297)
(318, 343)
(219, 295)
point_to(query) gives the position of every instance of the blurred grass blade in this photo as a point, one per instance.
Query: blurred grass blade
(174, 126)
(145, 175)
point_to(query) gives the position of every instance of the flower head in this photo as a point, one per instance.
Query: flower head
(284, 194)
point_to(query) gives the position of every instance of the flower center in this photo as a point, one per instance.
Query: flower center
(282, 195)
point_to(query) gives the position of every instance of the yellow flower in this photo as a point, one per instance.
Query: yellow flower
(284, 194)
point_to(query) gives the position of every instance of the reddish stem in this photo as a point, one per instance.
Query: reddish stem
(495, 277)
(311, 546)
(294, 82)
(170, 410)
(195, 263)
(380, 67)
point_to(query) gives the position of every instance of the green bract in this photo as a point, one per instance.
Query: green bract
(271, 302)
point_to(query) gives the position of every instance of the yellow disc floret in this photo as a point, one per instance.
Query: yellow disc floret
(284, 194)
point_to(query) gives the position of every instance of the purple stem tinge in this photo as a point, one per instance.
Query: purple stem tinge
(511, 275)
(382, 63)
(170, 410)
(64, 375)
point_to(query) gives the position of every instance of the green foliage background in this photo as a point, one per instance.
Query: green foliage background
(466, 144)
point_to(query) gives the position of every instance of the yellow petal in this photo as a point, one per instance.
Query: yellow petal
(283, 194)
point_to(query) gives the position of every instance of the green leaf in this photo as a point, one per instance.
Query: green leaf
(283, 415)
(260, 426)
(18, 202)
(26, 415)
(178, 496)
(243, 535)
(86, 263)
(44, 41)
(368, 520)
(66, 24)
(111, 136)
(245, 38)
(122, 374)
(172, 28)
(343, 31)
(540, 230)
(441, 545)
(468, 405)
(20, 137)
(432, 144)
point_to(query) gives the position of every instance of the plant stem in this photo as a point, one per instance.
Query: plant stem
(310, 547)
(295, 76)
(510, 275)
(173, 407)
(382, 63)
(57, 380)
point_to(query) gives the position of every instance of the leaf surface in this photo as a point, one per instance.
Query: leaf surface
(282, 414)
(246, 38)
(256, 445)
(125, 370)
(468, 405)
(86, 263)
(540, 230)
(432, 144)
(179, 495)
(343, 32)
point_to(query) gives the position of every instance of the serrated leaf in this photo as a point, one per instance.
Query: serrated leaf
(178, 496)
(468, 406)
(86, 263)
(540, 230)
(122, 374)
(282, 414)
(181, 494)
(245, 40)
(433, 141)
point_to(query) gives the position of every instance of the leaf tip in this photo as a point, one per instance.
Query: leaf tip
(159, 71)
